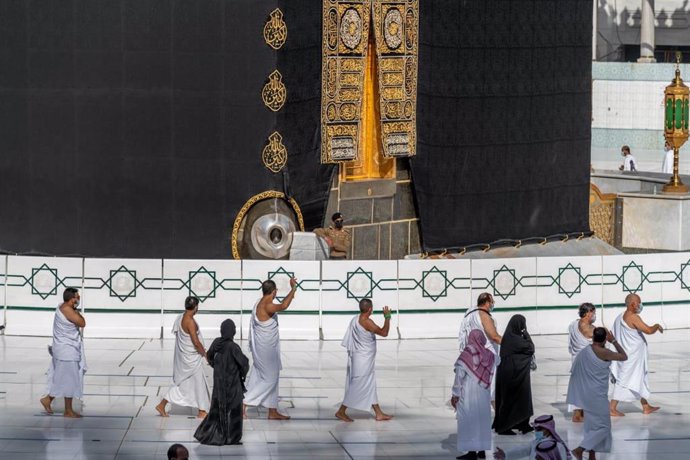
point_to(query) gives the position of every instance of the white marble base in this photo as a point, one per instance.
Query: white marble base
(308, 246)
(656, 221)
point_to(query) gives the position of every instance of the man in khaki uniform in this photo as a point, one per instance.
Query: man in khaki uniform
(337, 237)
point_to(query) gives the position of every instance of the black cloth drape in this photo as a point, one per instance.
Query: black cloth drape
(513, 386)
(223, 424)
(503, 120)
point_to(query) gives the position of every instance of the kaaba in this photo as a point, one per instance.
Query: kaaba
(158, 128)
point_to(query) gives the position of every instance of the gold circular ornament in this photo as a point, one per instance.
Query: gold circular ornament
(351, 28)
(392, 28)
(251, 202)
(275, 154)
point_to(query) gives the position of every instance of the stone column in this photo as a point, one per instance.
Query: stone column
(647, 32)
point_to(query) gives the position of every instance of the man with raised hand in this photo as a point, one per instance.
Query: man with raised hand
(360, 342)
(588, 388)
(264, 344)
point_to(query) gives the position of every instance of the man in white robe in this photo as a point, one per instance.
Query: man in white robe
(189, 387)
(68, 365)
(480, 318)
(264, 344)
(360, 342)
(588, 388)
(471, 396)
(631, 376)
(580, 336)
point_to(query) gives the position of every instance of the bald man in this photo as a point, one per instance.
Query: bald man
(631, 376)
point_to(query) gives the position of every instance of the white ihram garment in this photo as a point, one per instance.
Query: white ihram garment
(631, 375)
(189, 387)
(264, 344)
(470, 322)
(473, 411)
(360, 382)
(588, 388)
(68, 365)
(576, 343)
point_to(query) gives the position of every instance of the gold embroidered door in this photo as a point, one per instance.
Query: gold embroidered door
(369, 84)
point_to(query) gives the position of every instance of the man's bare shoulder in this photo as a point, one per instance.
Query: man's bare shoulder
(586, 329)
(602, 353)
(368, 324)
(188, 324)
(631, 319)
(263, 309)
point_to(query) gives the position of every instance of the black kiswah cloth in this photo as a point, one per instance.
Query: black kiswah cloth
(513, 386)
(223, 424)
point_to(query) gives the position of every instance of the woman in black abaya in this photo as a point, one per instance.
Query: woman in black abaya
(223, 424)
(513, 387)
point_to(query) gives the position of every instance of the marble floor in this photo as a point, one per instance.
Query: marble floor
(126, 378)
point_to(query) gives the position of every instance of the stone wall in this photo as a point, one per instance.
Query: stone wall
(380, 213)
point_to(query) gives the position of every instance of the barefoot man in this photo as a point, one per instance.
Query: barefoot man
(588, 388)
(189, 387)
(264, 343)
(66, 372)
(580, 336)
(632, 383)
(360, 342)
(480, 318)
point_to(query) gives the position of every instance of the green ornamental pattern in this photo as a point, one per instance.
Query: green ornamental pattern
(505, 282)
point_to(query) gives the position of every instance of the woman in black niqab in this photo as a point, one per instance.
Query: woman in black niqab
(513, 386)
(223, 424)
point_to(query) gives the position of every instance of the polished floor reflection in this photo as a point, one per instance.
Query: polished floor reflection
(126, 378)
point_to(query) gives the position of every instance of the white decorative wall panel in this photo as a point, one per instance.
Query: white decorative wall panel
(140, 298)
(34, 290)
(513, 284)
(123, 297)
(217, 284)
(344, 283)
(301, 319)
(433, 295)
(566, 282)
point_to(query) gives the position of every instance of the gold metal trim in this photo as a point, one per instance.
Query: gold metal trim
(275, 30)
(251, 202)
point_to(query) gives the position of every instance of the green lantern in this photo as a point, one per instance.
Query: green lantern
(676, 117)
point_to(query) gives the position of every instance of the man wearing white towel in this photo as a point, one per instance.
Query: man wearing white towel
(588, 388)
(360, 342)
(189, 388)
(480, 318)
(264, 344)
(66, 371)
(580, 336)
(631, 377)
